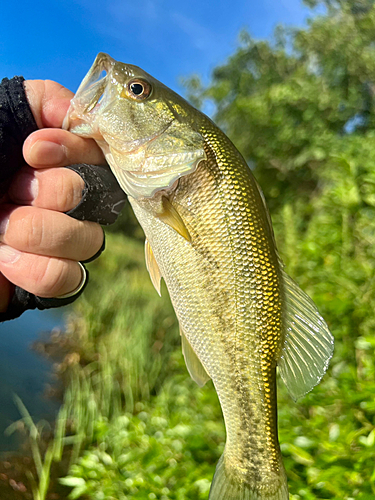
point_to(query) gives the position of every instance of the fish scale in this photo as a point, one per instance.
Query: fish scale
(241, 304)
(209, 235)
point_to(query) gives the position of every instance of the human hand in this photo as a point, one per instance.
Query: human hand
(40, 245)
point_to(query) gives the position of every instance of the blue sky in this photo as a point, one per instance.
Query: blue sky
(59, 39)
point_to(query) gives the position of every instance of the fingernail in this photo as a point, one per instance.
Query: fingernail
(4, 221)
(47, 153)
(25, 187)
(8, 255)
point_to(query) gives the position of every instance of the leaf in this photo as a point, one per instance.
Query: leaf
(72, 481)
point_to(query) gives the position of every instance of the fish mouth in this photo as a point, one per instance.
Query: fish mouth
(95, 81)
(90, 93)
(95, 92)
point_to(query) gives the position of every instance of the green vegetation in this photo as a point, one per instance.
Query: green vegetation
(301, 109)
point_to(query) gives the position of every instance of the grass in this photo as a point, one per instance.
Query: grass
(43, 455)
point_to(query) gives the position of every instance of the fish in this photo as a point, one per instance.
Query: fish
(209, 236)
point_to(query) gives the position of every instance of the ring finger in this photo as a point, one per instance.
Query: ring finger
(45, 232)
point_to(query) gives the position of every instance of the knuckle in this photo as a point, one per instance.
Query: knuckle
(68, 194)
(36, 235)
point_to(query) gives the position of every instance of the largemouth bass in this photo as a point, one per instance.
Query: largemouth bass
(209, 236)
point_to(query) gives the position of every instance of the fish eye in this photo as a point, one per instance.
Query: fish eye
(139, 89)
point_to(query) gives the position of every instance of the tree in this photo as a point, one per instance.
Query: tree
(292, 104)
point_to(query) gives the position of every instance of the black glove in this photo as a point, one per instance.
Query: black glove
(102, 197)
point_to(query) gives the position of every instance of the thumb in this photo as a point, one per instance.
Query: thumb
(49, 101)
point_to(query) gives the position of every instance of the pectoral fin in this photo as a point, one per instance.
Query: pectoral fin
(172, 218)
(194, 366)
(308, 345)
(152, 267)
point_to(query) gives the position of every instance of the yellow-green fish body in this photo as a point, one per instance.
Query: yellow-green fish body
(208, 234)
(225, 288)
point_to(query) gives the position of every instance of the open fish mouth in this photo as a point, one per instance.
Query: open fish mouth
(96, 94)
(91, 93)
(95, 81)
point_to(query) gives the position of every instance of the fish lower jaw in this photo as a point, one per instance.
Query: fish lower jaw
(82, 128)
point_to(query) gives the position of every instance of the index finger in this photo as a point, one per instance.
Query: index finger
(59, 148)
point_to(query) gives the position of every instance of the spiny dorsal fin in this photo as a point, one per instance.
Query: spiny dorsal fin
(152, 267)
(194, 366)
(308, 345)
(172, 218)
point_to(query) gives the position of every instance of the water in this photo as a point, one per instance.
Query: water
(23, 371)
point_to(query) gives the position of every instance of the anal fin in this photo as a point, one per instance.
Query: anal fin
(194, 366)
(152, 267)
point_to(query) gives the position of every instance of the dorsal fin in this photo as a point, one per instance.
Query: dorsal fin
(308, 344)
(194, 366)
(152, 267)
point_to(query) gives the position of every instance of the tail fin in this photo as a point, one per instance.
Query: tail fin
(224, 487)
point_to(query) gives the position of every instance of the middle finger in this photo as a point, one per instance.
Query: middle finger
(52, 188)
(45, 232)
